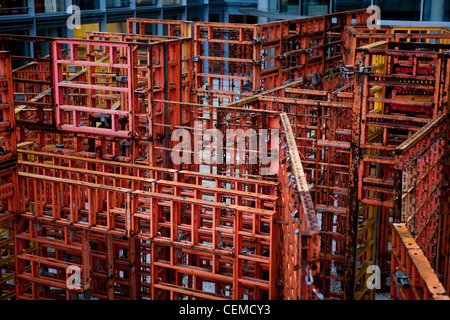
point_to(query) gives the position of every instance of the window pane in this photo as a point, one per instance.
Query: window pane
(436, 10)
(146, 2)
(87, 4)
(44, 6)
(399, 9)
(289, 7)
(116, 3)
(315, 8)
(339, 6)
(13, 7)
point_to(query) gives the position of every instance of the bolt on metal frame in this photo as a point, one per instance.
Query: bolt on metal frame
(108, 182)
(412, 277)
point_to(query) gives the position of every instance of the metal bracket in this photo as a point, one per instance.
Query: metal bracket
(259, 62)
(122, 79)
(260, 39)
(402, 280)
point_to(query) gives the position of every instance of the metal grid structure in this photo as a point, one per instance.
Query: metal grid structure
(100, 190)
(401, 94)
(412, 277)
(233, 61)
(8, 176)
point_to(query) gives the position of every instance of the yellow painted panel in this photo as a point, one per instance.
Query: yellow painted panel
(81, 33)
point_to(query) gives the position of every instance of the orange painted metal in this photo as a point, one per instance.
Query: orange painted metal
(412, 277)
(101, 172)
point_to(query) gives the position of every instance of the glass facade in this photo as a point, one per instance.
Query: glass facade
(289, 7)
(146, 2)
(407, 10)
(315, 7)
(46, 6)
(348, 5)
(87, 4)
(399, 9)
(436, 10)
(8, 7)
(117, 3)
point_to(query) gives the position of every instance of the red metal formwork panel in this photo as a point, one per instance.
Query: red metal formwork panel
(170, 79)
(358, 36)
(303, 48)
(412, 277)
(7, 118)
(8, 148)
(7, 278)
(8, 178)
(261, 57)
(45, 272)
(227, 60)
(168, 216)
(32, 78)
(322, 127)
(420, 161)
(181, 30)
(175, 28)
(115, 91)
(400, 93)
(299, 237)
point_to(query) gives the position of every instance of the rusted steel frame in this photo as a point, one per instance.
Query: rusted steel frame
(176, 28)
(8, 150)
(7, 278)
(29, 279)
(137, 170)
(120, 201)
(419, 162)
(144, 171)
(159, 77)
(240, 43)
(24, 83)
(221, 119)
(303, 263)
(410, 123)
(412, 277)
(184, 35)
(106, 148)
(274, 36)
(67, 206)
(405, 154)
(137, 183)
(301, 105)
(230, 240)
(122, 64)
(292, 105)
(416, 46)
(115, 266)
(228, 234)
(7, 125)
(355, 36)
